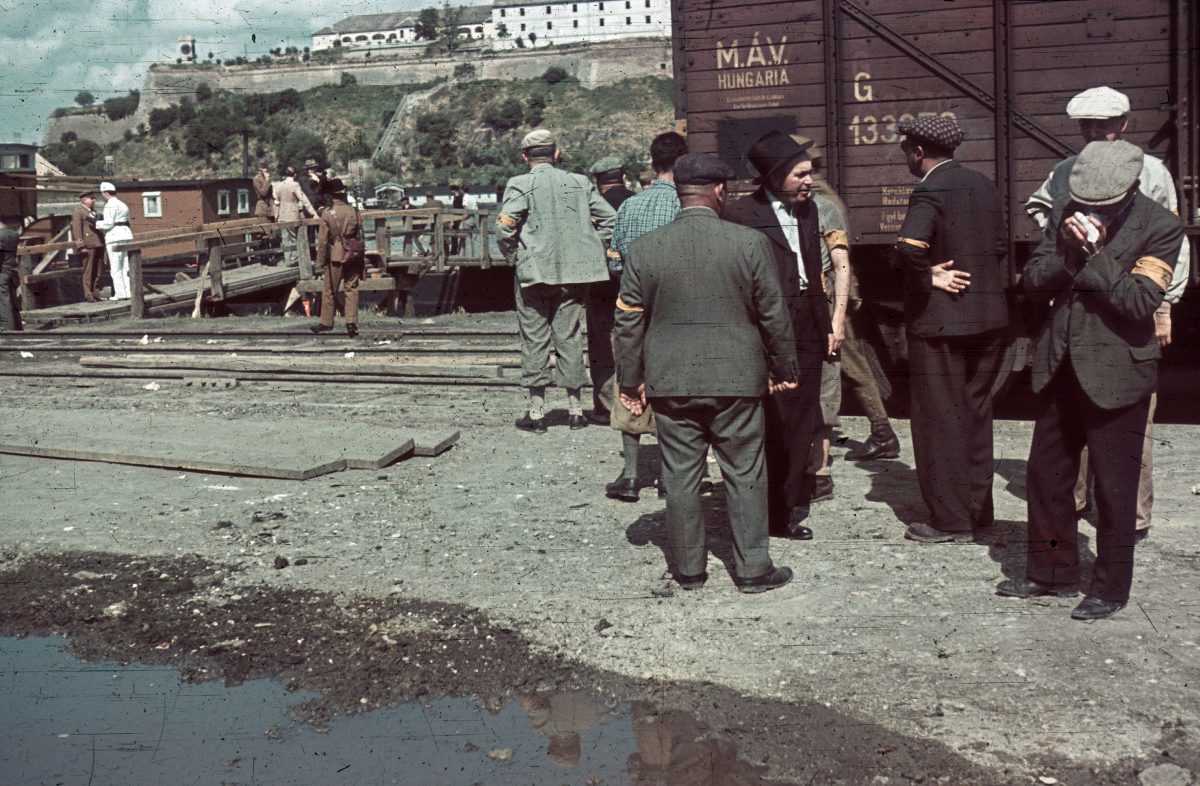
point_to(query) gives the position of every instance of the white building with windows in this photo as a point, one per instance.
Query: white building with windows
(523, 23)
(367, 31)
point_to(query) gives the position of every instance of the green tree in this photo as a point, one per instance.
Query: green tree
(203, 92)
(122, 106)
(68, 137)
(504, 115)
(554, 75)
(84, 98)
(187, 111)
(451, 17)
(347, 79)
(162, 118)
(355, 148)
(464, 71)
(426, 28)
(435, 137)
(299, 145)
(535, 110)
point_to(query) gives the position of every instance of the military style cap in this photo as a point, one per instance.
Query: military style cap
(336, 186)
(936, 130)
(1105, 172)
(311, 163)
(606, 164)
(83, 194)
(701, 169)
(455, 183)
(539, 137)
(107, 188)
(1098, 103)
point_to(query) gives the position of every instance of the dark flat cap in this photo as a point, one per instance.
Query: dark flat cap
(937, 130)
(336, 186)
(1105, 172)
(776, 150)
(701, 169)
(311, 163)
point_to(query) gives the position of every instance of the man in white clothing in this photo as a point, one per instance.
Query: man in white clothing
(1103, 114)
(114, 223)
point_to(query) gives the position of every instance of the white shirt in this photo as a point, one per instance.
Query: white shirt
(115, 212)
(791, 231)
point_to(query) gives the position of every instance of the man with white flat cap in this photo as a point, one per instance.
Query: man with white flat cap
(1103, 114)
(114, 223)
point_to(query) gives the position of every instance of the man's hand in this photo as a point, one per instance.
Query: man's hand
(835, 339)
(634, 402)
(774, 387)
(1162, 325)
(947, 280)
(1075, 233)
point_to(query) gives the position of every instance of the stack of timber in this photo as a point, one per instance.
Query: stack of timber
(250, 447)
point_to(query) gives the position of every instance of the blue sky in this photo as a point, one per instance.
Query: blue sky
(52, 49)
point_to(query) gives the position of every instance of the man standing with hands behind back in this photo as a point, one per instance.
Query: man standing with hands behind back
(952, 250)
(700, 322)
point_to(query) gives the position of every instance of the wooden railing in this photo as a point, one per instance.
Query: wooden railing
(468, 232)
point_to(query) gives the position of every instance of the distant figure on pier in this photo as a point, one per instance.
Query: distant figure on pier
(87, 244)
(114, 223)
(340, 255)
(264, 208)
(292, 205)
(10, 277)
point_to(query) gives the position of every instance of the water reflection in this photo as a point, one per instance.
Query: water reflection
(70, 722)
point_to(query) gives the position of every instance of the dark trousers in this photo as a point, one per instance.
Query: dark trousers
(10, 287)
(341, 277)
(951, 380)
(1068, 422)
(734, 429)
(602, 300)
(93, 264)
(793, 420)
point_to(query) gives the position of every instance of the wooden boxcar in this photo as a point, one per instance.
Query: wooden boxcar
(844, 72)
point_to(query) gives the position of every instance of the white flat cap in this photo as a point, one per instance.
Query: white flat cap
(107, 187)
(1098, 103)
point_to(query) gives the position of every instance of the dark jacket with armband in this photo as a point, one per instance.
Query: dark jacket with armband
(954, 214)
(1102, 306)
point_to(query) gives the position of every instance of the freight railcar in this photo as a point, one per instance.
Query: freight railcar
(845, 72)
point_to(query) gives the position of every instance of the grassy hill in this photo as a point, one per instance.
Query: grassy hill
(467, 129)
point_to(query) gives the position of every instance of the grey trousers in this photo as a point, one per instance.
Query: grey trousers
(551, 316)
(734, 428)
(289, 242)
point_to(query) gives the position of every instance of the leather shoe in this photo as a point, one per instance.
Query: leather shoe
(527, 423)
(690, 582)
(774, 578)
(600, 416)
(796, 531)
(351, 329)
(1093, 608)
(319, 328)
(881, 444)
(1028, 588)
(990, 535)
(822, 488)
(577, 422)
(924, 533)
(623, 488)
(1141, 535)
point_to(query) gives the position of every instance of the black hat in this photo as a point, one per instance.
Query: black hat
(311, 163)
(701, 169)
(776, 150)
(937, 130)
(336, 186)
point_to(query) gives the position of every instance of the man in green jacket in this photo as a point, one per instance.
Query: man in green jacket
(552, 227)
(700, 323)
(1103, 268)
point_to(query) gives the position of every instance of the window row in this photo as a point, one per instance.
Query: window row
(574, 8)
(152, 203)
(575, 23)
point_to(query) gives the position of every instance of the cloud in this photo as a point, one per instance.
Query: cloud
(52, 49)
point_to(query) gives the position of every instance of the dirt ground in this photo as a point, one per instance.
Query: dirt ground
(883, 662)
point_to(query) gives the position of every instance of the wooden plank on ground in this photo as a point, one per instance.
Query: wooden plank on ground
(413, 366)
(434, 443)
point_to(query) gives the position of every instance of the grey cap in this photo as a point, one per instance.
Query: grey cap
(701, 169)
(539, 137)
(1105, 172)
(606, 164)
(1098, 103)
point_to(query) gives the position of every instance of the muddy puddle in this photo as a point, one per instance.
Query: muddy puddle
(68, 721)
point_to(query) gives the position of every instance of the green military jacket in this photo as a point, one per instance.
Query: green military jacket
(1102, 307)
(701, 312)
(552, 227)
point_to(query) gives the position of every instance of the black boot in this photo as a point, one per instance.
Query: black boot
(882, 444)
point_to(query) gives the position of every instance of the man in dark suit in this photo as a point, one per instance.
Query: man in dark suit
(952, 250)
(699, 323)
(783, 209)
(1104, 266)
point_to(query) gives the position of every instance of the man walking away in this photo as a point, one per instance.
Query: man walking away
(293, 205)
(87, 244)
(700, 321)
(340, 255)
(1103, 114)
(114, 223)
(1103, 268)
(10, 275)
(552, 227)
(952, 250)
(654, 207)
